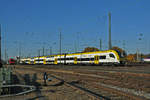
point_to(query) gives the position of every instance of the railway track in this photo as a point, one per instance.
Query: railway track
(93, 95)
(127, 65)
(37, 90)
(110, 93)
(90, 83)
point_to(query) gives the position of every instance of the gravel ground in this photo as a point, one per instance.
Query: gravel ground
(132, 78)
(55, 90)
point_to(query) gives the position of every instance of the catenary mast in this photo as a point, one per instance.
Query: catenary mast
(0, 48)
(109, 43)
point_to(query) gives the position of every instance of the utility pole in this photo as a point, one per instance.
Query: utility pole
(0, 48)
(50, 51)
(139, 52)
(100, 44)
(60, 46)
(39, 52)
(78, 41)
(38, 55)
(43, 51)
(29, 55)
(137, 55)
(5, 48)
(109, 43)
(46, 52)
(5, 55)
(124, 44)
(75, 47)
(19, 49)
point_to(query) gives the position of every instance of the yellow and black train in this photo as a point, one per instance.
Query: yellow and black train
(93, 58)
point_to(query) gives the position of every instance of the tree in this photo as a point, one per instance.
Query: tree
(122, 52)
(145, 55)
(131, 57)
(90, 49)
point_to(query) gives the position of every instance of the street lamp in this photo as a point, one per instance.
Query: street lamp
(140, 37)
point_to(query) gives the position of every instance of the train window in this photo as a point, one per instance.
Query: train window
(112, 55)
(71, 58)
(67, 59)
(61, 59)
(92, 59)
(102, 57)
(85, 59)
(50, 61)
(78, 59)
(39, 60)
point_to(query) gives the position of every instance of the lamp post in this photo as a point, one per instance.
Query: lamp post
(109, 43)
(100, 44)
(0, 48)
(60, 38)
(50, 51)
(140, 37)
(78, 41)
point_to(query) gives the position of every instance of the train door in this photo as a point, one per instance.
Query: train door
(34, 61)
(96, 58)
(29, 61)
(75, 60)
(55, 61)
(44, 61)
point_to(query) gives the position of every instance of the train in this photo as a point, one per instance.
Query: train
(12, 61)
(147, 60)
(112, 57)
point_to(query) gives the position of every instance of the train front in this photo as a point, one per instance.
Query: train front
(122, 57)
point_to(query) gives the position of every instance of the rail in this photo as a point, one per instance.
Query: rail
(32, 88)
(90, 93)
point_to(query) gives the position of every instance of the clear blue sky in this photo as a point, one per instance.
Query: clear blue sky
(36, 23)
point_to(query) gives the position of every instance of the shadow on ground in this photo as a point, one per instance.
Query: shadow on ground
(57, 84)
(12, 90)
(32, 80)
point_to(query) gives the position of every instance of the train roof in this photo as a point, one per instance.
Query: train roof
(63, 54)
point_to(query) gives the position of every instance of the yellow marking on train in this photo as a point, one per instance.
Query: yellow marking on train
(75, 60)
